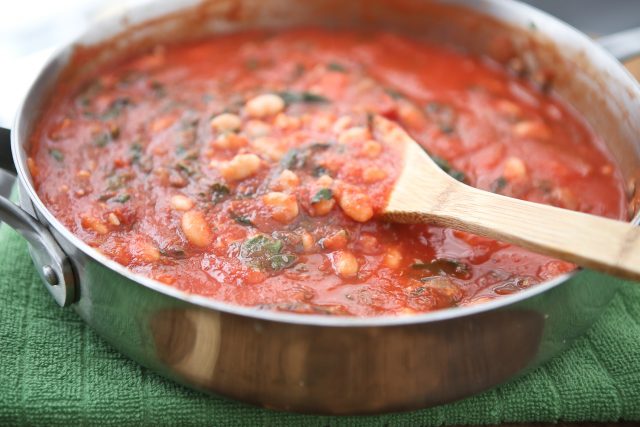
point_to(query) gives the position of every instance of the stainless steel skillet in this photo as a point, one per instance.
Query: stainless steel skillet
(327, 364)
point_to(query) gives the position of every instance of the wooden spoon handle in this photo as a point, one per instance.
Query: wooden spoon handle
(598, 243)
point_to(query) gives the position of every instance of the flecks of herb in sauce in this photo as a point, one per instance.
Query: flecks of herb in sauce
(158, 89)
(106, 196)
(443, 266)
(241, 219)
(101, 139)
(122, 198)
(118, 181)
(322, 194)
(115, 108)
(291, 97)
(218, 192)
(318, 171)
(265, 253)
(136, 152)
(172, 252)
(443, 115)
(293, 159)
(336, 66)
(297, 158)
(185, 167)
(56, 154)
(499, 184)
(89, 92)
(394, 93)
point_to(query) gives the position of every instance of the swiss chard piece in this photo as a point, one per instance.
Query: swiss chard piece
(218, 192)
(336, 66)
(318, 171)
(159, 90)
(185, 167)
(101, 139)
(322, 194)
(56, 154)
(115, 109)
(294, 159)
(443, 114)
(443, 266)
(297, 158)
(241, 219)
(292, 97)
(499, 184)
(136, 152)
(265, 253)
(122, 198)
(394, 93)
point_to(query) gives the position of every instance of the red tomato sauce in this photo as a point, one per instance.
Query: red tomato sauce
(244, 168)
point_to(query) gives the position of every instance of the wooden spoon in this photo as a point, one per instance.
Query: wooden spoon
(424, 193)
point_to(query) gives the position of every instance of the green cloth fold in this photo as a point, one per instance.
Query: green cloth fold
(55, 371)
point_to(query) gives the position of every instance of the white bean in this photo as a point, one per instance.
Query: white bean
(356, 205)
(264, 105)
(284, 207)
(181, 203)
(240, 167)
(226, 122)
(196, 229)
(345, 264)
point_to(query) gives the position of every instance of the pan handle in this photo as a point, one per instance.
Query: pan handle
(623, 45)
(52, 263)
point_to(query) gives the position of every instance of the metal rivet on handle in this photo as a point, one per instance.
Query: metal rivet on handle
(50, 275)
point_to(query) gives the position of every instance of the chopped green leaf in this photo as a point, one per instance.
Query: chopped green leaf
(240, 219)
(106, 196)
(336, 66)
(443, 266)
(499, 184)
(322, 194)
(56, 154)
(294, 159)
(185, 167)
(136, 152)
(318, 171)
(394, 93)
(291, 97)
(218, 192)
(159, 90)
(118, 181)
(122, 198)
(172, 252)
(282, 261)
(320, 146)
(265, 253)
(297, 158)
(446, 128)
(101, 139)
(443, 115)
(116, 108)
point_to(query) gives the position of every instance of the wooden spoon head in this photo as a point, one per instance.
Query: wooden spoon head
(422, 185)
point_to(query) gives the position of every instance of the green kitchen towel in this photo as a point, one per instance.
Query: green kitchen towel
(55, 371)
